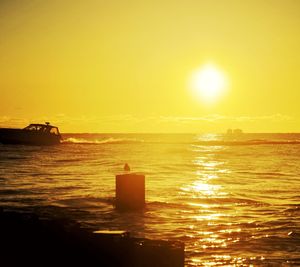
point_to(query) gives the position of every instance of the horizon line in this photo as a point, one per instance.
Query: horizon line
(177, 133)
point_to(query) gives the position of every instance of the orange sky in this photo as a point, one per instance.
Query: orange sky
(124, 66)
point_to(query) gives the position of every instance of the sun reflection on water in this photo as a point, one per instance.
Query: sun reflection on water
(212, 230)
(217, 222)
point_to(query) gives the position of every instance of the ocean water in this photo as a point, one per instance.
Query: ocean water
(233, 201)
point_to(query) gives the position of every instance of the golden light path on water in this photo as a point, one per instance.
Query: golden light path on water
(211, 213)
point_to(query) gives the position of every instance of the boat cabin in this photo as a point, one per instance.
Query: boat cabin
(43, 128)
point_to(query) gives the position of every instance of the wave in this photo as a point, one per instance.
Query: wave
(247, 142)
(175, 139)
(111, 140)
(256, 173)
(73, 140)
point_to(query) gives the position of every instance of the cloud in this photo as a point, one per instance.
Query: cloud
(65, 119)
(130, 123)
(221, 118)
(274, 118)
(6, 121)
(209, 118)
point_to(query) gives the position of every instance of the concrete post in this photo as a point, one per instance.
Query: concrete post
(130, 191)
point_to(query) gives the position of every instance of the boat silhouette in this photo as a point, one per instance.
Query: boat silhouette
(33, 134)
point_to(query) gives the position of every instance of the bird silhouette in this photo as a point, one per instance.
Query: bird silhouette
(126, 167)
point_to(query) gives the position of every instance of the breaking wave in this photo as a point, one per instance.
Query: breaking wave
(111, 140)
(249, 140)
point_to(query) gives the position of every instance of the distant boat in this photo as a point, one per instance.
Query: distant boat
(33, 134)
(231, 132)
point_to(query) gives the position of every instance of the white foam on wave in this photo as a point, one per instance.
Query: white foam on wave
(111, 140)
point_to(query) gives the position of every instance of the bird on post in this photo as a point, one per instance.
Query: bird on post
(126, 167)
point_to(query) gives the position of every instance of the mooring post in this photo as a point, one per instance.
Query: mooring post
(130, 191)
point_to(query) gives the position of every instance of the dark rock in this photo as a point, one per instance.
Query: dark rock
(29, 240)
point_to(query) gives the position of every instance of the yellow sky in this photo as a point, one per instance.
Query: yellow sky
(124, 66)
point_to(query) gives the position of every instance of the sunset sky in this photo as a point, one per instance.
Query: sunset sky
(126, 66)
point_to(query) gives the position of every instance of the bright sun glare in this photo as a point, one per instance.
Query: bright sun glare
(208, 83)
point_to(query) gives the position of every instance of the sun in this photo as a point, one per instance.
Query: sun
(208, 82)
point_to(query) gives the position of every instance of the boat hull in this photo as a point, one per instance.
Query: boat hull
(26, 137)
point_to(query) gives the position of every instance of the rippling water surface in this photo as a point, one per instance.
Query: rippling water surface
(233, 202)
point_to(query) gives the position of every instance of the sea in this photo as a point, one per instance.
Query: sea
(233, 200)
